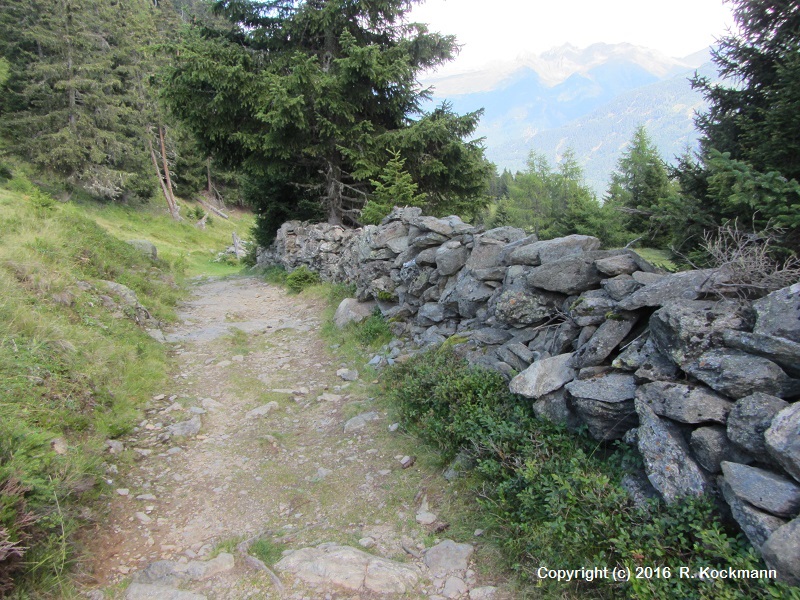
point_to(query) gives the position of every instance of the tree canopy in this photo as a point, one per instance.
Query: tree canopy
(308, 97)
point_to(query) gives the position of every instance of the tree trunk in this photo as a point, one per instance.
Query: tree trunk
(333, 192)
(173, 209)
(173, 205)
(208, 172)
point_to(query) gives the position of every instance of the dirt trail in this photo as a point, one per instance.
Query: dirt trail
(272, 460)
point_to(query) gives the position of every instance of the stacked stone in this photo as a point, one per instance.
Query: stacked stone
(702, 384)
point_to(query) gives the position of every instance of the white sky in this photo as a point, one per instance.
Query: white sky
(492, 30)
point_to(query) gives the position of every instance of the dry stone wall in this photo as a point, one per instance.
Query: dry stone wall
(705, 386)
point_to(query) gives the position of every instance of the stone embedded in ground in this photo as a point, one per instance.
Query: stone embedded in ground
(782, 440)
(454, 587)
(763, 489)
(486, 592)
(756, 524)
(685, 403)
(782, 552)
(448, 557)
(360, 421)
(263, 410)
(185, 428)
(144, 591)
(711, 446)
(738, 374)
(667, 458)
(605, 404)
(749, 419)
(347, 374)
(544, 376)
(334, 566)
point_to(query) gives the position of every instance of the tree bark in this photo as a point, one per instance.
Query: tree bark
(173, 210)
(173, 205)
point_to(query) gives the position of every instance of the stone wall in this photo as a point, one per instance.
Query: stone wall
(703, 384)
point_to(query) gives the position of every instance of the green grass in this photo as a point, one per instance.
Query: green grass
(661, 259)
(266, 551)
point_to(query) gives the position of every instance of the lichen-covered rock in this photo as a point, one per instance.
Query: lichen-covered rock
(620, 286)
(450, 257)
(622, 264)
(782, 440)
(684, 329)
(446, 226)
(738, 374)
(605, 404)
(604, 341)
(688, 285)
(554, 407)
(488, 248)
(782, 552)
(763, 489)
(711, 446)
(685, 403)
(778, 314)
(547, 251)
(543, 376)
(785, 353)
(667, 458)
(749, 419)
(757, 525)
(519, 307)
(591, 308)
(571, 275)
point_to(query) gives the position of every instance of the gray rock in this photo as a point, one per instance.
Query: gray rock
(519, 307)
(634, 354)
(447, 226)
(486, 592)
(144, 591)
(778, 314)
(450, 257)
(571, 275)
(454, 587)
(622, 264)
(512, 359)
(428, 239)
(667, 458)
(489, 247)
(749, 419)
(604, 341)
(427, 257)
(358, 422)
(145, 247)
(685, 403)
(591, 308)
(543, 376)
(656, 367)
(468, 295)
(547, 251)
(332, 566)
(554, 407)
(490, 336)
(393, 235)
(263, 410)
(448, 557)
(737, 374)
(347, 374)
(781, 351)
(782, 439)
(605, 404)
(763, 489)
(555, 340)
(711, 446)
(688, 285)
(350, 310)
(620, 286)
(185, 428)
(639, 488)
(430, 313)
(782, 552)
(522, 351)
(647, 278)
(684, 329)
(756, 524)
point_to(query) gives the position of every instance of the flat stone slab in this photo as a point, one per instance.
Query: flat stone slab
(334, 566)
(544, 376)
(448, 557)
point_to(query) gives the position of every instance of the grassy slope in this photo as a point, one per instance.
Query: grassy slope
(74, 372)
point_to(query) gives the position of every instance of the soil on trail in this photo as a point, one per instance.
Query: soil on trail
(272, 460)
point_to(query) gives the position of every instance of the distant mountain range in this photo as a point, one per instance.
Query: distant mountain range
(590, 99)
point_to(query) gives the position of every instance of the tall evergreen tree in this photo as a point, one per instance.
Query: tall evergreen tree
(307, 96)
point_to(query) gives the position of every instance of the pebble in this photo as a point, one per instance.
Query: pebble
(122, 491)
(394, 427)
(143, 518)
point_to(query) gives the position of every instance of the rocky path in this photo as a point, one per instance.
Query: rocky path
(259, 450)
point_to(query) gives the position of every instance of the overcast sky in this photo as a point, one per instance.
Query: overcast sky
(502, 29)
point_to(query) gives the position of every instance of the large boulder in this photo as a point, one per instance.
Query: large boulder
(605, 404)
(685, 403)
(782, 552)
(778, 314)
(684, 329)
(738, 374)
(688, 285)
(763, 489)
(543, 376)
(571, 275)
(749, 419)
(782, 439)
(547, 251)
(145, 247)
(350, 310)
(667, 458)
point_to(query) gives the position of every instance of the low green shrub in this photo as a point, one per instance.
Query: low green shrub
(554, 496)
(372, 331)
(301, 278)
